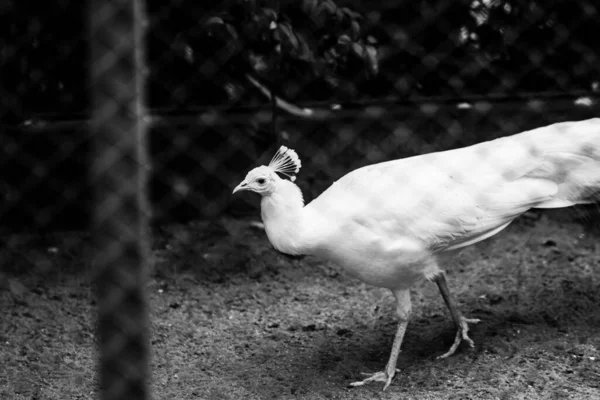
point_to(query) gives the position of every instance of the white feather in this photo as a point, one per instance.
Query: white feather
(384, 221)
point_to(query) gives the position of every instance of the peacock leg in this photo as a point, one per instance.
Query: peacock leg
(462, 323)
(403, 309)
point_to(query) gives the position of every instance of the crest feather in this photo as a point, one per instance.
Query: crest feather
(286, 162)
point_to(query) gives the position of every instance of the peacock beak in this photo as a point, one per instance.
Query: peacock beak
(240, 187)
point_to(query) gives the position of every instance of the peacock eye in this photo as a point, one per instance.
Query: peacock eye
(261, 181)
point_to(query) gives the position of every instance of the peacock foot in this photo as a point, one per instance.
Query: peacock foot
(462, 333)
(381, 376)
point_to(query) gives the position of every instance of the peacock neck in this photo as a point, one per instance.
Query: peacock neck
(285, 221)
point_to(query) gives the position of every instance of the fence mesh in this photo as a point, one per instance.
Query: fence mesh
(354, 83)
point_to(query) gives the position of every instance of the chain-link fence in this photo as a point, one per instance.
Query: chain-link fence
(431, 75)
(220, 85)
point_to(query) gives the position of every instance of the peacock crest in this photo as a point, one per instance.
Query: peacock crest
(286, 162)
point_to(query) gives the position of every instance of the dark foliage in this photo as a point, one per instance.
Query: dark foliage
(288, 45)
(199, 53)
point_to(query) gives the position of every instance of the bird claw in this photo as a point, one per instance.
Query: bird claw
(461, 334)
(381, 376)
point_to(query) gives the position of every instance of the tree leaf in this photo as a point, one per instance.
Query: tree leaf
(371, 59)
(258, 62)
(328, 6)
(270, 13)
(344, 40)
(351, 14)
(214, 21)
(358, 49)
(303, 51)
(285, 30)
(231, 31)
(355, 27)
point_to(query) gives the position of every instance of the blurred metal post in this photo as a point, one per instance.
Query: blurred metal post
(121, 215)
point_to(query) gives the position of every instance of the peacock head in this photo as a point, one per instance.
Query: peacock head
(264, 179)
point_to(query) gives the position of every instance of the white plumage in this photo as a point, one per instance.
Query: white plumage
(385, 223)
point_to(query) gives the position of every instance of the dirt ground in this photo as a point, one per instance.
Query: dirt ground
(233, 319)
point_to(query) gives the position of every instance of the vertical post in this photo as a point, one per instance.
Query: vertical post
(121, 209)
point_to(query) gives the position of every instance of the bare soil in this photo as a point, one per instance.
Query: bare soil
(233, 319)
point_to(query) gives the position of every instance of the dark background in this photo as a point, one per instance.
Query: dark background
(518, 64)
